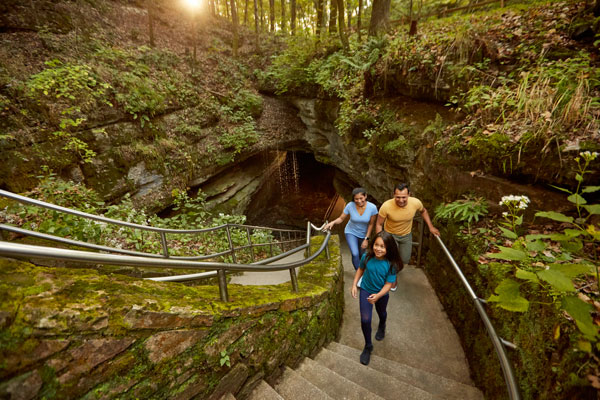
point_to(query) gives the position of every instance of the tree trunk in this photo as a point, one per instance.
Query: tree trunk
(256, 30)
(341, 27)
(150, 9)
(332, 16)
(380, 17)
(358, 22)
(319, 17)
(262, 16)
(234, 20)
(349, 16)
(293, 17)
(226, 9)
(246, 13)
(272, 15)
(283, 23)
(413, 28)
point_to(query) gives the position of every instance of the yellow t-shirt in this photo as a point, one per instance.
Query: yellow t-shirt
(398, 220)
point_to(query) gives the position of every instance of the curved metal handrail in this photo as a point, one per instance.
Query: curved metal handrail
(161, 231)
(499, 343)
(31, 251)
(135, 258)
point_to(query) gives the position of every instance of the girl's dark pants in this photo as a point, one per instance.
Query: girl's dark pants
(366, 314)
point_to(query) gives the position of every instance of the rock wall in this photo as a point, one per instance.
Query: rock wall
(544, 360)
(73, 333)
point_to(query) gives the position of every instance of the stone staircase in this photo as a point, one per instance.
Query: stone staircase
(335, 373)
(419, 358)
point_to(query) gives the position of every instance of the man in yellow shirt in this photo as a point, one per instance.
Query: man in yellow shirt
(398, 214)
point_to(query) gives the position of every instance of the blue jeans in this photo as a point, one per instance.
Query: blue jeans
(366, 314)
(357, 251)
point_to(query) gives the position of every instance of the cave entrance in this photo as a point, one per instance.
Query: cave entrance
(299, 189)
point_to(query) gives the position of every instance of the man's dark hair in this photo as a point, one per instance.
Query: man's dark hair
(401, 187)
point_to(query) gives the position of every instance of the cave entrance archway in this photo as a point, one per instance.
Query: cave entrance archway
(300, 189)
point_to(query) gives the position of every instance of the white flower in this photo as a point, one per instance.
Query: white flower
(505, 214)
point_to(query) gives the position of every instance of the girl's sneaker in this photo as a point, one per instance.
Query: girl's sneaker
(365, 356)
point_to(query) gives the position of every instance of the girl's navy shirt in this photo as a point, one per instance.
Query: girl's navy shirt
(377, 273)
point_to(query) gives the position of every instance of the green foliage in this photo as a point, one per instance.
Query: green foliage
(72, 87)
(549, 267)
(464, 210)
(248, 102)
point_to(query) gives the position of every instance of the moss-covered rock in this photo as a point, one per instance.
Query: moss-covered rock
(71, 333)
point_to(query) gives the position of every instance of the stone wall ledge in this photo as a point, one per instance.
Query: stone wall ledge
(72, 333)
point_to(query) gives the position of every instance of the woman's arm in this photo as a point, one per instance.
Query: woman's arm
(336, 221)
(384, 290)
(354, 288)
(365, 242)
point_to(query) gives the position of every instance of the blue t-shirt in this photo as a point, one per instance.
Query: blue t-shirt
(376, 274)
(359, 224)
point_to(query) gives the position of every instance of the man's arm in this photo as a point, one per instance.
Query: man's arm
(427, 220)
(379, 224)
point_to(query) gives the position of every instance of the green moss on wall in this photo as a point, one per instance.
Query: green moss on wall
(50, 315)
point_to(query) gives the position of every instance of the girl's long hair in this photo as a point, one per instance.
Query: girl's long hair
(391, 251)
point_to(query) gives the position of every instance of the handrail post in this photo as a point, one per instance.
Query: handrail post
(223, 285)
(231, 248)
(294, 280)
(421, 231)
(250, 243)
(308, 238)
(163, 241)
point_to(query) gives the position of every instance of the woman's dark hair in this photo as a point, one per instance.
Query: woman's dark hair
(391, 251)
(358, 190)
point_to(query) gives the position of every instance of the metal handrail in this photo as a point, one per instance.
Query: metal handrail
(499, 343)
(161, 231)
(134, 258)
(31, 251)
(43, 204)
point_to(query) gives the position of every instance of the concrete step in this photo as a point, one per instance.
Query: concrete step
(332, 383)
(435, 384)
(375, 381)
(419, 332)
(292, 386)
(264, 391)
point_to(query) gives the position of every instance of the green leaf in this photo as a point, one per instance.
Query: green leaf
(580, 312)
(508, 253)
(590, 189)
(508, 296)
(563, 189)
(508, 233)
(576, 199)
(579, 178)
(593, 208)
(556, 216)
(557, 280)
(573, 270)
(572, 246)
(527, 276)
(573, 232)
(536, 236)
(535, 245)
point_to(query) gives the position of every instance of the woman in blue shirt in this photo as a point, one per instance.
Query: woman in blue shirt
(363, 215)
